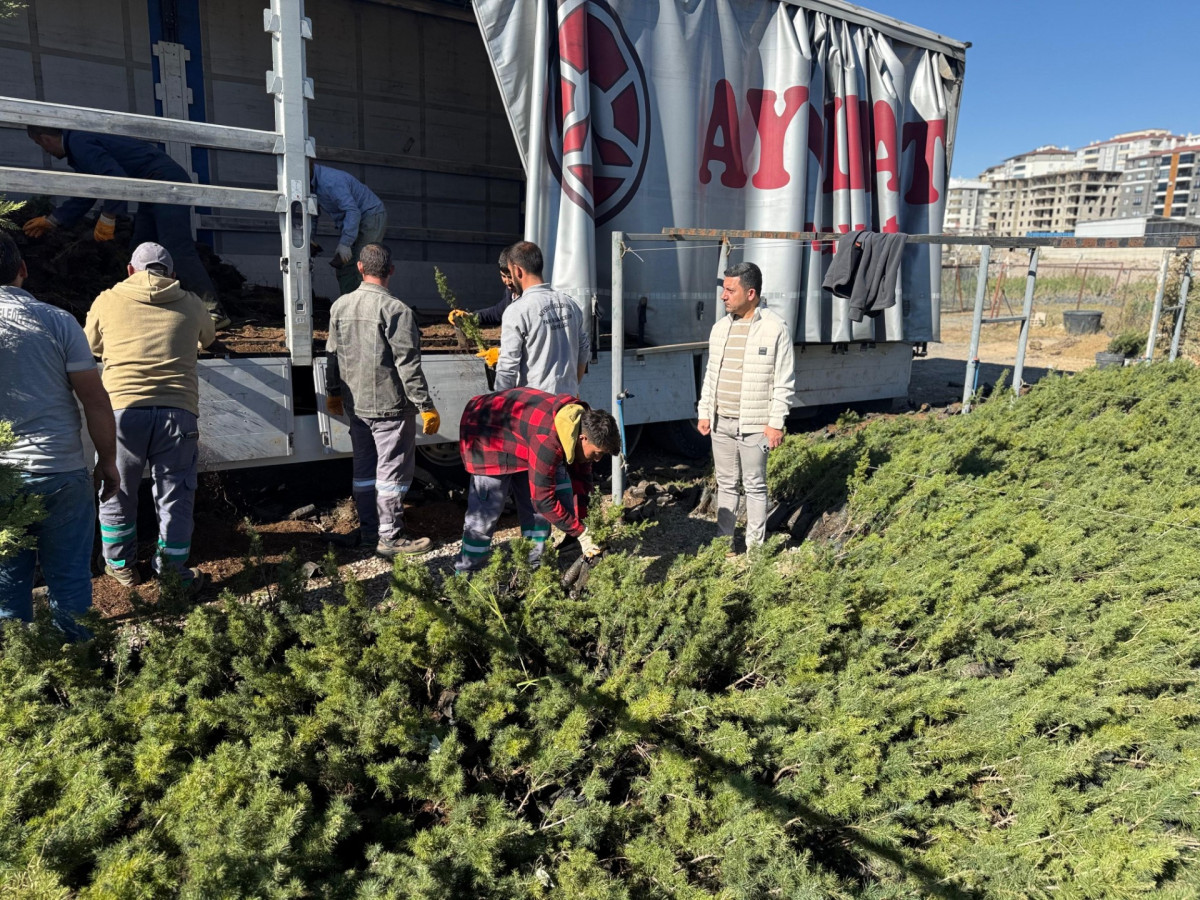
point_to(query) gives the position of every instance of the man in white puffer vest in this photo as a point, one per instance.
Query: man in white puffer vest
(746, 396)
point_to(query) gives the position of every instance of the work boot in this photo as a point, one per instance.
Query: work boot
(389, 548)
(193, 581)
(126, 576)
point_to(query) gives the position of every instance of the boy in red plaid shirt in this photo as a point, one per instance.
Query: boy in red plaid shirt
(523, 431)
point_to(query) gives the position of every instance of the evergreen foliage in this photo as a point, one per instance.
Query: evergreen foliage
(17, 511)
(983, 686)
(469, 323)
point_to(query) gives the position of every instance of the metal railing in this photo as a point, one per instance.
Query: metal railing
(284, 20)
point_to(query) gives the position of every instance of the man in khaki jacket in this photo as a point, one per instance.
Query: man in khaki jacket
(146, 331)
(746, 396)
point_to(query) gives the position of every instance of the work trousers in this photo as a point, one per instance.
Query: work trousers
(485, 504)
(371, 228)
(170, 224)
(62, 545)
(740, 456)
(167, 439)
(384, 462)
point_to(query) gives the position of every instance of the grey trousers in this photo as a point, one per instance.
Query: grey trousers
(743, 456)
(384, 462)
(167, 439)
(371, 229)
(485, 504)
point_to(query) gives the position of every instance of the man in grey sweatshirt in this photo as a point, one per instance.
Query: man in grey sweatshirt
(543, 341)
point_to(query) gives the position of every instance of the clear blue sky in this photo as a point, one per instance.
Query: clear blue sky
(1064, 72)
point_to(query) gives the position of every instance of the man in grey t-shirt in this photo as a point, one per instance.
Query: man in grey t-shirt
(543, 341)
(45, 364)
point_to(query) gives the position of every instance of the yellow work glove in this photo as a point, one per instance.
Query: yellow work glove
(106, 227)
(335, 406)
(456, 314)
(35, 228)
(490, 356)
(430, 422)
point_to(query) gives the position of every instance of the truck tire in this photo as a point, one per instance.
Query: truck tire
(682, 438)
(442, 464)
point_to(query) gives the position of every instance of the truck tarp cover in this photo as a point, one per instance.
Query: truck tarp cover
(739, 114)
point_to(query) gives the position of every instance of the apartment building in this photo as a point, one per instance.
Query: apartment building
(1116, 153)
(1054, 201)
(968, 205)
(1164, 184)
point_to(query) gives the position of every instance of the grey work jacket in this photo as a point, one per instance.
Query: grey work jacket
(374, 355)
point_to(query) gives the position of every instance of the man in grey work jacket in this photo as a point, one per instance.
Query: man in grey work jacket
(543, 341)
(375, 378)
(746, 396)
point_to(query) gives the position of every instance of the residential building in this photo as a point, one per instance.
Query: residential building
(967, 205)
(1164, 184)
(1037, 162)
(1115, 153)
(1054, 201)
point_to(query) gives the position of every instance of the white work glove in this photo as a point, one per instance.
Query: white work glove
(590, 549)
(342, 254)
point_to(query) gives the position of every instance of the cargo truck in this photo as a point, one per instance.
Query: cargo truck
(564, 121)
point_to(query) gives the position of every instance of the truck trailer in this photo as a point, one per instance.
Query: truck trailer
(563, 121)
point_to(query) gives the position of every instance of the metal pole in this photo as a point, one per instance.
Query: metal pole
(535, 155)
(985, 256)
(722, 265)
(291, 87)
(618, 353)
(1158, 303)
(1026, 316)
(1183, 297)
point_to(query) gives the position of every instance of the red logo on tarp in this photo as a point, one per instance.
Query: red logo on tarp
(599, 114)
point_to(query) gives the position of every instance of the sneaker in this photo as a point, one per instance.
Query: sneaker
(390, 548)
(221, 321)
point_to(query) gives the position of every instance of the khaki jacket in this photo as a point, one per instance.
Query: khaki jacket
(768, 372)
(146, 330)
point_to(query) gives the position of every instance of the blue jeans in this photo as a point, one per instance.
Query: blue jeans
(63, 547)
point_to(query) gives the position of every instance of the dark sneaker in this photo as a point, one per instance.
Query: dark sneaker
(401, 545)
(221, 321)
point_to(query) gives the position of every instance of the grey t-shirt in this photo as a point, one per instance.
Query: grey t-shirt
(39, 345)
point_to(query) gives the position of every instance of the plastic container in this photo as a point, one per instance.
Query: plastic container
(1082, 321)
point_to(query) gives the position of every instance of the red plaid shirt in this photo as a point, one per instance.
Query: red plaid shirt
(513, 431)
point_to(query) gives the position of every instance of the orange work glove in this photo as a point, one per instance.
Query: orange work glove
(430, 422)
(106, 227)
(35, 228)
(335, 406)
(490, 356)
(456, 314)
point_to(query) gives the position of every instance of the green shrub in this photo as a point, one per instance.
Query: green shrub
(984, 687)
(1127, 343)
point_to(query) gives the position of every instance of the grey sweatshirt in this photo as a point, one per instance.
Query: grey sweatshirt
(543, 343)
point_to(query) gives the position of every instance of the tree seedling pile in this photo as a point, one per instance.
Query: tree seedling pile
(982, 685)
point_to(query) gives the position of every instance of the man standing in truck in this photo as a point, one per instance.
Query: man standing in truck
(357, 213)
(375, 378)
(168, 224)
(745, 399)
